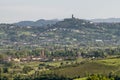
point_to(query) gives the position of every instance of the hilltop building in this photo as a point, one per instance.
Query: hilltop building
(73, 16)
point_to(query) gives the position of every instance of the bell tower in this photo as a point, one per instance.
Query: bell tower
(72, 16)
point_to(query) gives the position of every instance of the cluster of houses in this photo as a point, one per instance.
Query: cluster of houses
(42, 57)
(31, 58)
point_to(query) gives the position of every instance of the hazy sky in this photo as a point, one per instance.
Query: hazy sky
(17, 10)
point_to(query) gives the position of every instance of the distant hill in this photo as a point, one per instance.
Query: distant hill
(74, 23)
(40, 22)
(71, 31)
(43, 22)
(109, 20)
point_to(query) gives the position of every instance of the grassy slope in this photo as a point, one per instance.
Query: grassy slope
(80, 78)
(90, 67)
(82, 70)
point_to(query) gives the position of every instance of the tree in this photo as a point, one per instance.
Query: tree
(26, 69)
(1, 70)
(5, 70)
(4, 78)
(99, 77)
(61, 63)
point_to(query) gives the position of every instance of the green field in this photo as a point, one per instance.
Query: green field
(80, 78)
(111, 62)
(71, 69)
(91, 67)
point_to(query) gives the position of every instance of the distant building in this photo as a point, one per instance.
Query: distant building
(98, 40)
(16, 59)
(73, 16)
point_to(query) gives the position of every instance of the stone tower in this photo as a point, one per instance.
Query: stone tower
(72, 16)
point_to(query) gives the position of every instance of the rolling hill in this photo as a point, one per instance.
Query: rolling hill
(108, 20)
(41, 22)
(70, 31)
